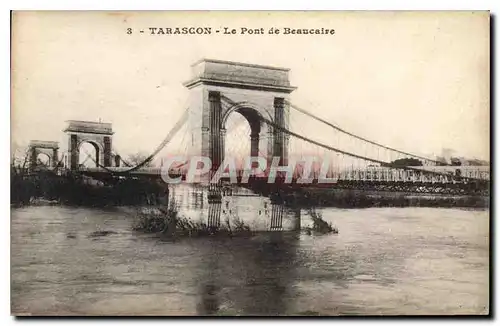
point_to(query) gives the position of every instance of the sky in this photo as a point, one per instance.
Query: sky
(414, 81)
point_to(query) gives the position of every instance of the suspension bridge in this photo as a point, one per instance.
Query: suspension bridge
(268, 125)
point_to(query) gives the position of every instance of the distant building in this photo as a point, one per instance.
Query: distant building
(448, 158)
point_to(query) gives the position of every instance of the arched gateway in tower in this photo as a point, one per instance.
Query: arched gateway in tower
(48, 148)
(219, 88)
(98, 134)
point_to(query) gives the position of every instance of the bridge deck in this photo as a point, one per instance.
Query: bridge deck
(427, 175)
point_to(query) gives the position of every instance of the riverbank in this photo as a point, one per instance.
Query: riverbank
(342, 198)
(75, 190)
(78, 191)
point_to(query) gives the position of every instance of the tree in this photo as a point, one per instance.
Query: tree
(477, 162)
(19, 154)
(19, 158)
(441, 161)
(138, 158)
(455, 161)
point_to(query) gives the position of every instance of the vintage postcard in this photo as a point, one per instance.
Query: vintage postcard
(250, 163)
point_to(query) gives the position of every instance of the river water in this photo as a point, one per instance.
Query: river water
(392, 261)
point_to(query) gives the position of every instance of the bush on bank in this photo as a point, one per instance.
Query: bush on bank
(319, 224)
(358, 199)
(73, 190)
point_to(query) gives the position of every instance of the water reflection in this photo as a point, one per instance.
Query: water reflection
(239, 270)
(209, 287)
(248, 276)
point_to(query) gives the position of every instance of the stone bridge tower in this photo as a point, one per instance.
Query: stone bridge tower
(98, 134)
(218, 88)
(48, 148)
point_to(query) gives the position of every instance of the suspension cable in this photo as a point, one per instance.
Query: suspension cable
(165, 141)
(309, 140)
(359, 137)
(383, 164)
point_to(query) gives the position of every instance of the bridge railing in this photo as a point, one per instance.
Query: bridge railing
(371, 174)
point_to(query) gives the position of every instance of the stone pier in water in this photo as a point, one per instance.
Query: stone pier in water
(216, 207)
